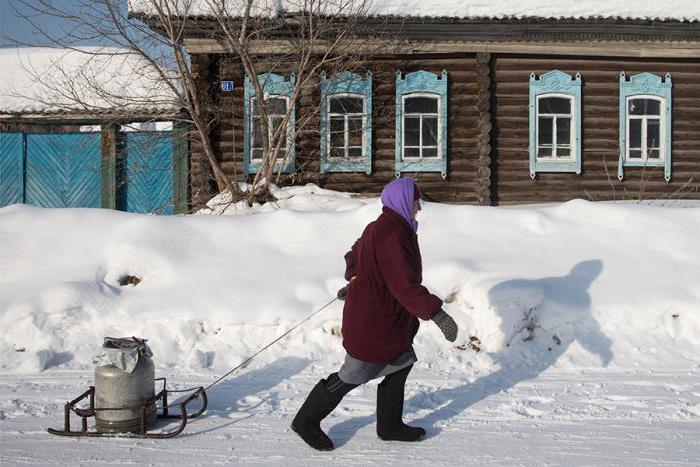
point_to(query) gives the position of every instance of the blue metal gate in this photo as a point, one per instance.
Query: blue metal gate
(63, 170)
(147, 173)
(11, 168)
(57, 170)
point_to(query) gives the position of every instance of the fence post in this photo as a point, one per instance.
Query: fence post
(180, 167)
(109, 165)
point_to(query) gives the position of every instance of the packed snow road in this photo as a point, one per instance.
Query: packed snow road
(561, 417)
(578, 344)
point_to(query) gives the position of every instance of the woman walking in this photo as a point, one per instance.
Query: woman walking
(383, 301)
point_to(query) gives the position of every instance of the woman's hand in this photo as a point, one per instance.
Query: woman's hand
(344, 291)
(446, 324)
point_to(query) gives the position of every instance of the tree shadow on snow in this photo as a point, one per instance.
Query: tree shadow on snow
(532, 351)
(242, 394)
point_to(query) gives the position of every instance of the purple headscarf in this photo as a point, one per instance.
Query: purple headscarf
(398, 195)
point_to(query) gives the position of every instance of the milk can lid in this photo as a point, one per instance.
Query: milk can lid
(122, 352)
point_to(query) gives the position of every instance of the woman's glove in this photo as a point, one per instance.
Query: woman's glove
(446, 324)
(344, 291)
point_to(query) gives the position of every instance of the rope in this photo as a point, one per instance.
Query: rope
(249, 359)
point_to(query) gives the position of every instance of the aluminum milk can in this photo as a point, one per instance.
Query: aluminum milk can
(124, 384)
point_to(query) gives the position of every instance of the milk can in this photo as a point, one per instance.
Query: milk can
(124, 384)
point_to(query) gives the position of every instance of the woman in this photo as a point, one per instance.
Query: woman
(383, 301)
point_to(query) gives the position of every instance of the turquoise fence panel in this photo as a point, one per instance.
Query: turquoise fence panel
(146, 173)
(11, 168)
(63, 170)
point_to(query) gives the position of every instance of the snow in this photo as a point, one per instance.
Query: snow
(579, 330)
(86, 79)
(687, 10)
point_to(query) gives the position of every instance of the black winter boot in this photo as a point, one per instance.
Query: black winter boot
(324, 397)
(390, 397)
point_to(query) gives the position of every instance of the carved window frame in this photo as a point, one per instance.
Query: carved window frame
(646, 86)
(427, 84)
(346, 84)
(273, 85)
(556, 84)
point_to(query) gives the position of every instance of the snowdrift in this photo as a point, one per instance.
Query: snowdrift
(570, 285)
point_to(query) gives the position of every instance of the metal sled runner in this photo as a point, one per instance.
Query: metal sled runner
(162, 397)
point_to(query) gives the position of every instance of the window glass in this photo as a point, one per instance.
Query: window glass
(276, 106)
(545, 130)
(337, 132)
(346, 126)
(430, 128)
(257, 139)
(635, 136)
(643, 107)
(544, 151)
(421, 104)
(555, 105)
(412, 131)
(563, 132)
(346, 105)
(355, 131)
(411, 152)
(276, 109)
(653, 135)
(429, 152)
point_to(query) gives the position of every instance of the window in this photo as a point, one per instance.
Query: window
(277, 92)
(554, 126)
(346, 115)
(643, 128)
(420, 126)
(276, 110)
(421, 122)
(555, 123)
(645, 123)
(346, 123)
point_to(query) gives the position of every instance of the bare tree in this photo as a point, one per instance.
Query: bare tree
(305, 37)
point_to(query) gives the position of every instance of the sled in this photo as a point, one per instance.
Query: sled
(86, 412)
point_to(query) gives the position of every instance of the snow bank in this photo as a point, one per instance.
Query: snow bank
(688, 10)
(571, 285)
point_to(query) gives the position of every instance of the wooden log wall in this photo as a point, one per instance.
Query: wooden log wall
(600, 128)
(488, 131)
(202, 181)
(463, 183)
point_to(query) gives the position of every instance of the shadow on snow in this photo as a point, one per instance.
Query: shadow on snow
(566, 298)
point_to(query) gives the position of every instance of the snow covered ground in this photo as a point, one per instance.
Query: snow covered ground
(579, 340)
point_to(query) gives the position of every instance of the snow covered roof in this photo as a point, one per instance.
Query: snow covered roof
(682, 10)
(89, 80)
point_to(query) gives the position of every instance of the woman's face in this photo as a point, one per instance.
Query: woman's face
(416, 208)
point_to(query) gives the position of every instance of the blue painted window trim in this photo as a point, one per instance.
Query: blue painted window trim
(650, 86)
(558, 84)
(346, 83)
(272, 85)
(422, 82)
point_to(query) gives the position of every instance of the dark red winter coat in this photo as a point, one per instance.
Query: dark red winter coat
(384, 302)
